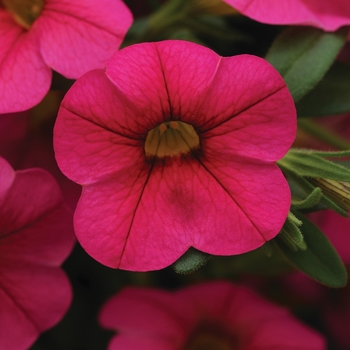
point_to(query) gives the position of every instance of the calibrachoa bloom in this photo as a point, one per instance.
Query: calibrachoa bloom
(215, 315)
(325, 14)
(71, 37)
(175, 147)
(36, 235)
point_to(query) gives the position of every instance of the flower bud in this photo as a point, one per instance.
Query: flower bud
(338, 191)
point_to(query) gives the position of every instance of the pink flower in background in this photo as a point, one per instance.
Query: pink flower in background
(215, 315)
(71, 37)
(26, 142)
(36, 237)
(325, 14)
(337, 229)
(175, 147)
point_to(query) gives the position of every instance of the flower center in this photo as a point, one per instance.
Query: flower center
(208, 342)
(171, 139)
(209, 337)
(25, 12)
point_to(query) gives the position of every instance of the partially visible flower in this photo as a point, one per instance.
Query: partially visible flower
(71, 37)
(175, 147)
(325, 14)
(36, 235)
(215, 315)
(26, 142)
(337, 229)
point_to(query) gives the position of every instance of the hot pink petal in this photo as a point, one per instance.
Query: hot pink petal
(200, 92)
(148, 343)
(25, 204)
(157, 218)
(327, 14)
(259, 324)
(246, 126)
(46, 249)
(149, 212)
(12, 315)
(260, 192)
(33, 299)
(78, 36)
(97, 131)
(263, 325)
(36, 236)
(113, 204)
(24, 77)
(224, 309)
(7, 176)
(151, 72)
(277, 334)
(71, 38)
(162, 313)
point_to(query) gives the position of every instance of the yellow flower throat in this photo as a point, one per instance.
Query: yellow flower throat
(171, 139)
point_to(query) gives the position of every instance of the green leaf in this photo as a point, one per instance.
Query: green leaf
(332, 154)
(319, 260)
(330, 96)
(191, 261)
(303, 55)
(267, 249)
(308, 163)
(264, 261)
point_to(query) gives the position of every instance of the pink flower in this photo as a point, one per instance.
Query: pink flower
(215, 315)
(175, 147)
(36, 236)
(71, 37)
(325, 14)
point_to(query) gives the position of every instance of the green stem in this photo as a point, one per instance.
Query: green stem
(323, 134)
(167, 14)
(207, 29)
